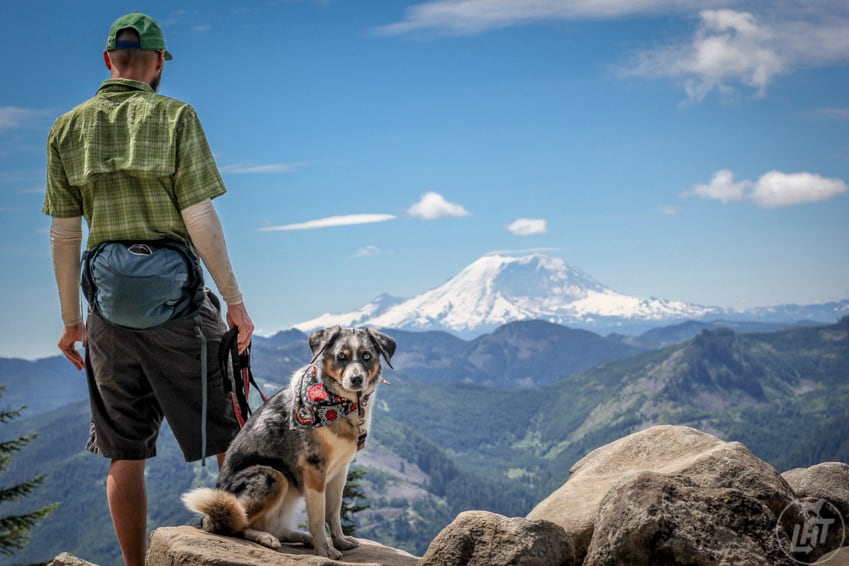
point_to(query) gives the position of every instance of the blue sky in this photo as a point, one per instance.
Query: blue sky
(695, 151)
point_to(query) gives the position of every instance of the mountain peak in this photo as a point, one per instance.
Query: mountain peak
(500, 288)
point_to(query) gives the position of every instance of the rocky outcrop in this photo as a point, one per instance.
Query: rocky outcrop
(707, 461)
(190, 546)
(651, 518)
(672, 495)
(479, 538)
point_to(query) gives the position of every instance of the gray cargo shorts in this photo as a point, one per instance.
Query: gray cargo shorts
(138, 377)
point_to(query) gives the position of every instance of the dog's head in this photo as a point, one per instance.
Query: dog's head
(351, 357)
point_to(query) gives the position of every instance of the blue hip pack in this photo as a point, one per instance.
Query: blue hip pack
(142, 284)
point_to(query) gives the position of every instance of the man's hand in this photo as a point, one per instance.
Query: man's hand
(67, 343)
(237, 315)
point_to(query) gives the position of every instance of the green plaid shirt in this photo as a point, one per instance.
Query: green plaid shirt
(129, 160)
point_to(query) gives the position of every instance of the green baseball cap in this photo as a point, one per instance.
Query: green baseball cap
(150, 34)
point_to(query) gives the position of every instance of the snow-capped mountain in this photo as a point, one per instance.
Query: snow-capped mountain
(498, 289)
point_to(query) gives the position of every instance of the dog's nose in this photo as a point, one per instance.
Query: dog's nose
(357, 380)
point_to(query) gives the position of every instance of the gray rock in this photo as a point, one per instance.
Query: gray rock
(829, 480)
(190, 546)
(480, 538)
(651, 519)
(66, 559)
(666, 449)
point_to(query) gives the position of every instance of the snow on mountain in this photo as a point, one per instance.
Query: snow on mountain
(498, 289)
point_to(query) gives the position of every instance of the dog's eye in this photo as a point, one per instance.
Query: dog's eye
(366, 356)
(341, 358)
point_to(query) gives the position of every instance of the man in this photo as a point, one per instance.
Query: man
(138, 167)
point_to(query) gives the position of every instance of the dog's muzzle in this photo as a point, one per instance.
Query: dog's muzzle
(354, 377)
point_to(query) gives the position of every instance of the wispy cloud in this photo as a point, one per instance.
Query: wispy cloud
(433, 205)
(367, 251)
(773, 189)
(528, 226)
(477, 16)
(670, 210)
(727, 49)
(331, 222)
(523, 251)
(247, 168)
(12, 117)
(832, 113)
(731, 48)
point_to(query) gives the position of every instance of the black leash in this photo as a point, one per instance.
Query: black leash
(237, 374)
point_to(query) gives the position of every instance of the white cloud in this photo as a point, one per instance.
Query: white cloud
(731, 48)
(369, 251)
(476, 16)
(670, 210)
(12, 117)
(332, 221)
(835, 113)
(433, 205)
(721, 187)
(776, 189)
(239, 168)
(771, 190)
(528, 226)
(728, 47)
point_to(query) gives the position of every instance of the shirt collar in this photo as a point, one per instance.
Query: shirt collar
(124, 85)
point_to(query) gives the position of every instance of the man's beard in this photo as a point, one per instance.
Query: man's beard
(154, 83)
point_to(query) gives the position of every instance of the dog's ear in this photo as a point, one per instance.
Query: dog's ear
(385, 344)
(320, 339)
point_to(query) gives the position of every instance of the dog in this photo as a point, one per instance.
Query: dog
(300, 444)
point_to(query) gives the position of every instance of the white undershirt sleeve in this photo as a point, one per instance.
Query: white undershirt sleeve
(208, 238)
(66, 236)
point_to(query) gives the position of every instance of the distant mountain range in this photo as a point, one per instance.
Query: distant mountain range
(497, 289)
(490, 423)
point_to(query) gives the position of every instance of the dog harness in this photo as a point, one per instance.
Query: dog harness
(313, 406)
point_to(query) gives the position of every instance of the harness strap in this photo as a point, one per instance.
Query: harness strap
(237, 375)
(203, 383)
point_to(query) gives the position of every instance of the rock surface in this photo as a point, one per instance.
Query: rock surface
(710, 463)
(651, 519)
(66, 559)
(190, 546)
(480, 538)
(829, 480)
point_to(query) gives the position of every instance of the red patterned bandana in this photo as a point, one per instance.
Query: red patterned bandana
(314, 406)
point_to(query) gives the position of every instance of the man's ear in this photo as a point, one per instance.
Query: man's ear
(107, 60)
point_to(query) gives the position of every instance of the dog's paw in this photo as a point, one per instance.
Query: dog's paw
(297, 537)
(345, 543)
(328, 551)
(263, 538)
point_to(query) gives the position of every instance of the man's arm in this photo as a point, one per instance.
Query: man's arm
(208, 238)
(66, 237)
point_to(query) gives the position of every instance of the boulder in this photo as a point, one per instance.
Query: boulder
(67, 559)
(191, 546)
(829, 480)
(823, 493)
(665, 449)
(652, 519)
(480, 538)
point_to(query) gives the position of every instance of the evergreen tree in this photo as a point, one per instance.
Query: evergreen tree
(353, 492)
(15, 529)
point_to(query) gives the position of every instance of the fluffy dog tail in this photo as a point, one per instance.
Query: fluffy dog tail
(221, 510)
